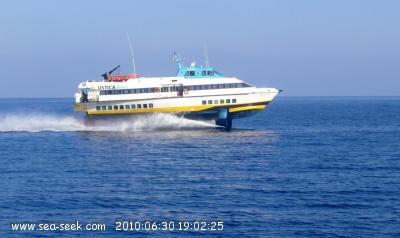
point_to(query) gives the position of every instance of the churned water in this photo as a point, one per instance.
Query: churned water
(304, 167)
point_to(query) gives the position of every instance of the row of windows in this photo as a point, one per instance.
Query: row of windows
(123, 107)
(175, 88)
(127, 91)
(218, 86)
(203, 73)
(216, 101)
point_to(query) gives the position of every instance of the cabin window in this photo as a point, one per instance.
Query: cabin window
(228, 101)
(133, 106)
(227, 85)
(246, 85)
(233, 100)
(103, 108)
(150, 105)
(98, 108)
(144, 105)
(203, 87)
(209, 86)
(209, 73)
(115, 107)
(189, 73)
(127, 107)
(139, 105)
(204, 102)
(121, 107)
(126, 91)
(215, 86)
(110, 92)
(221, 101)
(209, 101)
(216, 101)
(109, 107)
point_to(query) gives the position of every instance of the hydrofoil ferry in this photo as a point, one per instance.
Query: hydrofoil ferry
(195, 92)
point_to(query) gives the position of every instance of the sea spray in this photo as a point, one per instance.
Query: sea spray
(39, 122)
(151, 122)
(36, 122)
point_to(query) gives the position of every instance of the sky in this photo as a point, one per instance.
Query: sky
(305, 48)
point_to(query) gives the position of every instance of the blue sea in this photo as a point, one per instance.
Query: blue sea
(304, 167)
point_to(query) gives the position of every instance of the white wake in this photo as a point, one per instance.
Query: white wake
(47, 122)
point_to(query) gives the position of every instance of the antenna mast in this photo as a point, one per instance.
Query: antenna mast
(133, 59)
(206, 57)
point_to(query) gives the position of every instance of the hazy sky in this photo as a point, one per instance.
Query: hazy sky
(306, 48)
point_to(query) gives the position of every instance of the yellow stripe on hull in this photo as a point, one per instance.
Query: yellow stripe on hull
(247, 108)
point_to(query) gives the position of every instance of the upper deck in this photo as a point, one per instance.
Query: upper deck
(194, 72)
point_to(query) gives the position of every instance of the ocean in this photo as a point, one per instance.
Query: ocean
(304, 167)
